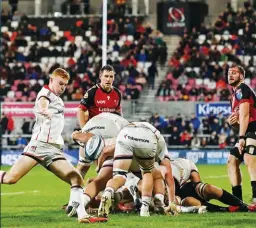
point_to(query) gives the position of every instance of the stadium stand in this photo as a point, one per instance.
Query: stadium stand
(198, 67)
(33, 47)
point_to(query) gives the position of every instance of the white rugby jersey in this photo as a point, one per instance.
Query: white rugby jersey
(162, 150)
(49, 130)
(107, 125)
(181, 169)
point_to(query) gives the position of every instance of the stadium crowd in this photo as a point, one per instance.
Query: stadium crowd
(194, 132)
(198, 67)
(33, 47)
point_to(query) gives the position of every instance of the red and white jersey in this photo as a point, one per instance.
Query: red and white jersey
(182, 169)
(49, 130)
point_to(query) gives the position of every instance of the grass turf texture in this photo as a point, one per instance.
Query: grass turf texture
(40, 195)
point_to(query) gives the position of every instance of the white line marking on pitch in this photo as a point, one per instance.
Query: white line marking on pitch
(17, 193)
(215, 177)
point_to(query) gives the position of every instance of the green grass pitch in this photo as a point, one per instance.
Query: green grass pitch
(36, 200)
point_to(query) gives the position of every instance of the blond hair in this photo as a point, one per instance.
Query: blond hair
(59, 72)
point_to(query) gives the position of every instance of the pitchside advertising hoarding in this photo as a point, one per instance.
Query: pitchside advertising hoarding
(206, 109)
(9, 157)
(26, 109)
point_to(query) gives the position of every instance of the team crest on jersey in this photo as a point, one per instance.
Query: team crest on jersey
(239, 94)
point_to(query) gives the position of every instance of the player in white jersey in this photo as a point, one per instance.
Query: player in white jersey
(193, 192)
(107, 126)
(46, 144)
(141, 144)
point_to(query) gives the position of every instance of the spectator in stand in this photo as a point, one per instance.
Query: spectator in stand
(26, 127)
(4, 124)
(164, 90)
(152, 73)
(174, 139)
(158, 122)
(185, 138)
(213, 140)
(21, 142)
(195, 142)
(196, 123)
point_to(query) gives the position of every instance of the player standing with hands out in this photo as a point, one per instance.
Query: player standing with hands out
(244, 119)
(46, 144)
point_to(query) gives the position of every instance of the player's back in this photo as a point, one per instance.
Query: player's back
(181, 169)
(108, 125)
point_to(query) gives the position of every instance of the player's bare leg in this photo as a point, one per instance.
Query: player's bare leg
(82, 167)
(65, 171)
(118, 180)
(98, 184)
(250, 161)
(146, 193)
(235, 176)
(22, 166)
(159, 191)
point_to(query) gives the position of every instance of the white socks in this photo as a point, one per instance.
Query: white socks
(144, 211)
(77, 200)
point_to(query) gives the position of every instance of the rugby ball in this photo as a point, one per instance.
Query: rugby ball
(93, 148)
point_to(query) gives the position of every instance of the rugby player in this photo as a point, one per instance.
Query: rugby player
(194, 192)
(243, 118)
(102, 97)
(46, 144)
(138, 144)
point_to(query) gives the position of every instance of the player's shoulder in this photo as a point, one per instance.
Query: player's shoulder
(91, 91)
(117, 90)
(244, 87)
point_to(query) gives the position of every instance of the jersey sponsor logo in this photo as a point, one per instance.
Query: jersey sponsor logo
(239, 94)
(96, 127)
(107, 109)
(101, 102)
(136, 139)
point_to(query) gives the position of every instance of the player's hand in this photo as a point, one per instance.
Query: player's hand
(233, 119)
(241, 145)
(172, 209)
(45, 112)
(73, 135)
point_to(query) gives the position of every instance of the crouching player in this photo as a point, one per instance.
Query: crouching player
(140, 143)
(193, 192)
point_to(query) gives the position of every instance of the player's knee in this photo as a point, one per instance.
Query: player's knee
(209, 192)
(190, 201)
(157, 174)
(75, 178)
(232, 160)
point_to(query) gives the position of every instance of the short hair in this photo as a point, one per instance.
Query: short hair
(59, 72)
(240, 69)
(107, 68)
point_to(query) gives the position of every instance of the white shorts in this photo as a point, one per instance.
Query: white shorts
(137, 143)
(44, 153)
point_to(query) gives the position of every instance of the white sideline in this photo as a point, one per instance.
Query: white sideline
(215, 177)
(17, 193)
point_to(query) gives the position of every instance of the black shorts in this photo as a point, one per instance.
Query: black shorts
(189, 190)
(236, 153)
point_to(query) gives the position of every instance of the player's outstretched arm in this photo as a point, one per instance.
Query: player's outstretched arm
(43, 104)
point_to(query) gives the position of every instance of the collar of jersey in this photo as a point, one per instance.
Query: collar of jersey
(47, 87)
(105, 90)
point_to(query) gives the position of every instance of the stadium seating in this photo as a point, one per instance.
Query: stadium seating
(203, 56)
(33, 47)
